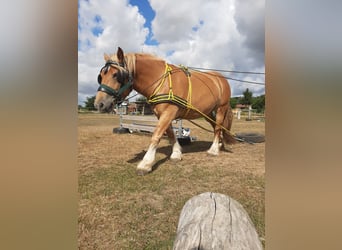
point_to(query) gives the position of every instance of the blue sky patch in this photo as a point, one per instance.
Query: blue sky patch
(98, 19)
(148, 13)
(197, 27)
(170, 52)
(97, 31)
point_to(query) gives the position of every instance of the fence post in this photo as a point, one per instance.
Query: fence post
(249, 112)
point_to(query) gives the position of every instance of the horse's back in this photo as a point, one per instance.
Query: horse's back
(213, 84)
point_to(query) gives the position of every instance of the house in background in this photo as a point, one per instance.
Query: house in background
(122, 109)
(139, 107)
(239, 107)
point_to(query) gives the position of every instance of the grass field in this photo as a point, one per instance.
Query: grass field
(120, 210)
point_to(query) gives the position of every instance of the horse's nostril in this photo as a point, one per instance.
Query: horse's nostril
(101, 105)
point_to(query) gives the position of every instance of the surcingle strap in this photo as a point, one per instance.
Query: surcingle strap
(167, 98)
(156, 98)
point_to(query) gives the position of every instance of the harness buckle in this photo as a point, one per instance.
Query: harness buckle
(185, 70)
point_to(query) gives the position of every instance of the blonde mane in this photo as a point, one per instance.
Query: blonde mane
(129, 59)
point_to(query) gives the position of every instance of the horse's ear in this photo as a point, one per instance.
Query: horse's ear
(120, 55)
(106, 57)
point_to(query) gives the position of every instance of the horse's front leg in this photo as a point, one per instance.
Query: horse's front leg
(145, 166)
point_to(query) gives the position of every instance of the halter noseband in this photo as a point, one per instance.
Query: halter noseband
(123, 86)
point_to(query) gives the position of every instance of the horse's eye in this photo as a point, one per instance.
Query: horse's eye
(114, 75)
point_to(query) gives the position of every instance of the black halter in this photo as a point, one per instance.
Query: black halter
(124, 77)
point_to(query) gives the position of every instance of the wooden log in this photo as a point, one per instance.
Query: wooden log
(215, 221)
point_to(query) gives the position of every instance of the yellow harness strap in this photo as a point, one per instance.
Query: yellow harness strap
(189, 105)
(170, 97)
(168, 70)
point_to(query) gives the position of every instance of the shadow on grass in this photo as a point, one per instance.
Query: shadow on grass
(200, 146)
(194, 147)
(166, 150)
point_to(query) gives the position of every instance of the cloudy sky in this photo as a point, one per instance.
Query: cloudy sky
(217, 34)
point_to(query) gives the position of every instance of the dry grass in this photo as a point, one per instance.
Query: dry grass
(120, 210)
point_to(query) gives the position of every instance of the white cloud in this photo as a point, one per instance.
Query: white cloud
(250, 23)
(121, 25)
(222, 34)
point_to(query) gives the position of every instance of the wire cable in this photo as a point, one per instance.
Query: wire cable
(229, 78)
(229, 71)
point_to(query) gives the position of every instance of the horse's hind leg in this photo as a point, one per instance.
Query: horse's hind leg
(215, 146)
(227, 123)
(176, 148)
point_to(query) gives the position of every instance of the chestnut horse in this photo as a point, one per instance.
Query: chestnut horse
(174, 92)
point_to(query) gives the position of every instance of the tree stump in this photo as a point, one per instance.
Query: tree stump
(215, 221)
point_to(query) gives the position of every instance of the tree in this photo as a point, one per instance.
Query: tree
(141, 99)
(247, 98)
(234, 101)
(259, 103)
(89, 103)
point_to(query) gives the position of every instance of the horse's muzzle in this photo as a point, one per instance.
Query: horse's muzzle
(102, 108)
(98, 106)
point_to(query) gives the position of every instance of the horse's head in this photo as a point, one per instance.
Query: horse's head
(115, 82)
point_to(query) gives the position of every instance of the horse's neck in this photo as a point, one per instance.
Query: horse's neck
(148, 73)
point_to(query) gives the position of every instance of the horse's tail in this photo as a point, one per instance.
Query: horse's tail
(228, 137)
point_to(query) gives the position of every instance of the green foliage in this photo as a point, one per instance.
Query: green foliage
(141, 99)
(258, 103)
(247, 97)
(234, 101)
(89, 103)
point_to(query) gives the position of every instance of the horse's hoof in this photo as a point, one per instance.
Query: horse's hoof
(176, 157)
(142, 172)
(211, 153)
(143, 168)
